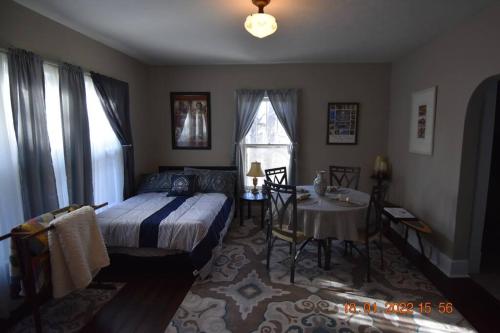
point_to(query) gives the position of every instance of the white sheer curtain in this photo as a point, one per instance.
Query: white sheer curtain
(54, 127)
(266, 141)
(107, 157)
(11, 211)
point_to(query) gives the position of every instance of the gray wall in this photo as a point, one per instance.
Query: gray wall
(23, 28)
(367, 84)
(456, 62)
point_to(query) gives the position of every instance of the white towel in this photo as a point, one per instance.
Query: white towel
(77, 251)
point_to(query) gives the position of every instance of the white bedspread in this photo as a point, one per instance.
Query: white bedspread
(182, 230)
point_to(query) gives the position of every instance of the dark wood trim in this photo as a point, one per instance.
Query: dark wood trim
(172, 122)
(479, 307)
(163, 168)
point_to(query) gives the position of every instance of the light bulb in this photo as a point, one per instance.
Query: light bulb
(261, 24)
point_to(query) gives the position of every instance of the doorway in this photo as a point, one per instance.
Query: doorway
(490, 248)
(481, 156)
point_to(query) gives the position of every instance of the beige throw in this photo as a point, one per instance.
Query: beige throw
(77, 251)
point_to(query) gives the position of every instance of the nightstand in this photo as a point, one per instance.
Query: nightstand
(249, 197)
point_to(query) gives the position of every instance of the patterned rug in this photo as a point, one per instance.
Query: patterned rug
(70, 313)
(242, 296)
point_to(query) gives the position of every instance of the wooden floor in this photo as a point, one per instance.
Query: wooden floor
(154, 292)
(155, 289)
(480, 308)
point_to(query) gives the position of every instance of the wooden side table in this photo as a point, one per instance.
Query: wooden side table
(415, 224)
(419, 227)
(249, 197)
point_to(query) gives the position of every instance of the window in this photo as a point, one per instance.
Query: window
(107, 154)
(107, 160)
(54, 128)
(267, 141)
(11, 209)
(106, 150)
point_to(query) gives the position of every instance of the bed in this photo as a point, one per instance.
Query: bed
(152, 224)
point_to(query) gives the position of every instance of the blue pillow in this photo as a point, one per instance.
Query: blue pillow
(214, 181)
(157, 182)
(182, 185)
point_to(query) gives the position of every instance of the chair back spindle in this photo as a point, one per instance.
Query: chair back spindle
(345, 176)
(282, 206)
(277, 175)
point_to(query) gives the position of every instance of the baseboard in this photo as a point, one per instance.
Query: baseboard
(450, 267)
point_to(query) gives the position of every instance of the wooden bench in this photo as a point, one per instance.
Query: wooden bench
(415, 224)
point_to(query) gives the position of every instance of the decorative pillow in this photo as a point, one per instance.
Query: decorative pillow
(157, 182)
(214, 181)
(183, 185)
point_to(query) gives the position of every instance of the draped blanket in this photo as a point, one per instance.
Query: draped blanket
(193, 224)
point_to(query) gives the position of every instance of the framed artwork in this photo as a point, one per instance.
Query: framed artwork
(342, 124)
(190, 120)
(423, 105)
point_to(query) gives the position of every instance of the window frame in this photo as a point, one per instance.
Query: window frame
(263, 145)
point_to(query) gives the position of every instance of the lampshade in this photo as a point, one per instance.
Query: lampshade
(261, 24)
(255, 170)
(381, 165)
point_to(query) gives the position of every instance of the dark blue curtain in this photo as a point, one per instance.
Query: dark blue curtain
(38, 185)
(76, 138)
(114, 97)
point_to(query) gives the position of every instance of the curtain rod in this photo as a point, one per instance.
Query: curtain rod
(49, 61)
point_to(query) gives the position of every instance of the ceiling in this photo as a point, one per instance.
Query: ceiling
(211, 31)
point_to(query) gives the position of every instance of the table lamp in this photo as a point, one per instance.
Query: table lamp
(255, 171)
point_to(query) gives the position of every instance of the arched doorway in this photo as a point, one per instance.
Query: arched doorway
(480, 177)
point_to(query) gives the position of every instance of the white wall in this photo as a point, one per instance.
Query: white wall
(319, 84)
(457, 62)
(23, 28)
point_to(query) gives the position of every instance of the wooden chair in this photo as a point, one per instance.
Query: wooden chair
(277, 175)
(282, 222)
(345, 176)
(373, 227)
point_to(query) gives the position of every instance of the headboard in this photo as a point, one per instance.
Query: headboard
(163, 168)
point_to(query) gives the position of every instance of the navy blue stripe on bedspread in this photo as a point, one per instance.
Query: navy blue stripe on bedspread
(202, 253)
(148, 234)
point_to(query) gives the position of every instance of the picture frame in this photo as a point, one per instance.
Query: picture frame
(191, 121)
(423, 106)
(342, 124)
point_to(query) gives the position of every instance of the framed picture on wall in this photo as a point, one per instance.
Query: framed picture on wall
(342, 124)
(423, 104)
(190, 120)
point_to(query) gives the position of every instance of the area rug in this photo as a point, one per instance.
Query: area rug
(70, 313)
(242, 296)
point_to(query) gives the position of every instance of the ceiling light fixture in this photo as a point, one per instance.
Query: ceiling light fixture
(260, 24)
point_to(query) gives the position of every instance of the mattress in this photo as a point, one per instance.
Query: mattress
(151, 221)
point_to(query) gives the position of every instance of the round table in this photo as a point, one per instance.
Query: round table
(331, 216)
(338, 215)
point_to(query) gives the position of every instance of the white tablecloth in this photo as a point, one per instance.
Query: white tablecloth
(322, 217)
